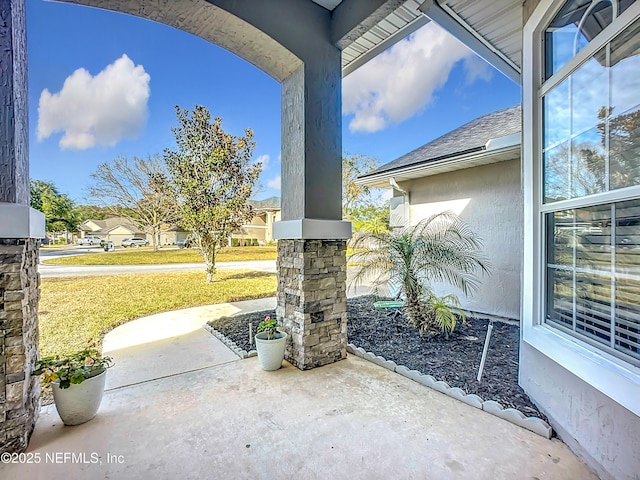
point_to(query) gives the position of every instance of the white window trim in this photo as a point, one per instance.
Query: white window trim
(613, 377)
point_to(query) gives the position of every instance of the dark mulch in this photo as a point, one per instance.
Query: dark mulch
(455, 360)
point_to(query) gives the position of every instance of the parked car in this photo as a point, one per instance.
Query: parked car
(186, 243)
(134, 242)
(89, 240)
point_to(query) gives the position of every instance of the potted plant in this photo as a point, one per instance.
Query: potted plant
(270, 344)
(77, 381)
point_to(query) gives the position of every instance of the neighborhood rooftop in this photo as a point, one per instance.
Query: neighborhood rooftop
(469, 138)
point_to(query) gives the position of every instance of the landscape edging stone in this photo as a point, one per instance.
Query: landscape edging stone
(512, 415)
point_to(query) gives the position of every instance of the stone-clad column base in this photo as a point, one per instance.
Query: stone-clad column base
(312, 300)
(19, 295)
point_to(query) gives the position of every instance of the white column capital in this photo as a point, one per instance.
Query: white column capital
(21, 221)
(312, 229)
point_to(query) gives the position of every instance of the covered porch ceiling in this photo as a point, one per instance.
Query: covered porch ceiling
(491, 29)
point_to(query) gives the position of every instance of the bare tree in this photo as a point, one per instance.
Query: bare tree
(138, 190)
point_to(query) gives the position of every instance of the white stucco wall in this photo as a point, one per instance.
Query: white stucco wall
(489, 199)
(600, 431)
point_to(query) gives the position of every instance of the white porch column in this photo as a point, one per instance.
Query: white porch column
(21, 228)
(312, 248)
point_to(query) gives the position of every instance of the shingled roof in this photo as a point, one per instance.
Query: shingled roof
(470, 137)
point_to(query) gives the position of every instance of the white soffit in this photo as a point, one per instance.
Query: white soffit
(394, 27)
(498, 21)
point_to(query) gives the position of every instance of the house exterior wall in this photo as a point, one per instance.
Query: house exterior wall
(489, 199)
(261, 227)
(89, 226)
(170, 238)
(121, 231)
(252, 232)
(600, 431)
(118, 234)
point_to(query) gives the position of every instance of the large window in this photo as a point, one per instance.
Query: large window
(590, 195)
(593, 274)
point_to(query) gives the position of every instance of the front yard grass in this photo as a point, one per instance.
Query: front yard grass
(75, 309)
(146, 256)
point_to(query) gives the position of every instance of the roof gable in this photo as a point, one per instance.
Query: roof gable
(470, 137)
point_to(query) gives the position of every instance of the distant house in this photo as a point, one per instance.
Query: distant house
(114, 229)
(266, 211)
(474, 171)
(171, 235)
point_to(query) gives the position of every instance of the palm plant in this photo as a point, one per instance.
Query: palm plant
(442, 248)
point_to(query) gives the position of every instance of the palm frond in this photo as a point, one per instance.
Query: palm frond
(441, 248)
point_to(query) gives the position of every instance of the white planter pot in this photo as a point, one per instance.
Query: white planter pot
(79, 403)
(271, 352)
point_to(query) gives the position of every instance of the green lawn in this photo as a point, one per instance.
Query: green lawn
(75, 309)
(146, 256)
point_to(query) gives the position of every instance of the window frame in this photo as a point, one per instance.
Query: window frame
(610, 374)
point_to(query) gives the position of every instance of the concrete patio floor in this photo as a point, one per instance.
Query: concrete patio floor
(178, 405)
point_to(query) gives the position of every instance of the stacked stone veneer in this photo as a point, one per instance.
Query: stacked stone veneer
(312, 300)
(19, 295)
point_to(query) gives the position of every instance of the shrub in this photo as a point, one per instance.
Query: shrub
(269, 326)
(441, 248)
(74, 368)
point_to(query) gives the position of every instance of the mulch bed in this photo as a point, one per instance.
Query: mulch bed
(455, 360)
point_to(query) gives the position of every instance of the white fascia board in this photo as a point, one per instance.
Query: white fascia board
(457, 163)
(312, 229)
(21, 221)
(506, 141)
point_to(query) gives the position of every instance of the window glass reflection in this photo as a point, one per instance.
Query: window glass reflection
(588, 163)
(593, 231)
(557, 115)
(627, 309)
(589, 94)
(575, 25)
(593, 306)
(625, 65)
(557, 173)
(561, 243)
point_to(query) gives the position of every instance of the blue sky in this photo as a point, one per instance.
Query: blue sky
(136, 71)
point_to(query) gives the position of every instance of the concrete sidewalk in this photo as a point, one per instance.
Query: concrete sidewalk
(170, 343)
(179, 404)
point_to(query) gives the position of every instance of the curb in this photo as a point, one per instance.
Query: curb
(533, 424)
(229, 343)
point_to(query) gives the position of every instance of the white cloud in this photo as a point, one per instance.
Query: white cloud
(274, 183)
(264, 159)
(402, 80)
(96, 110)
(477, 69)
